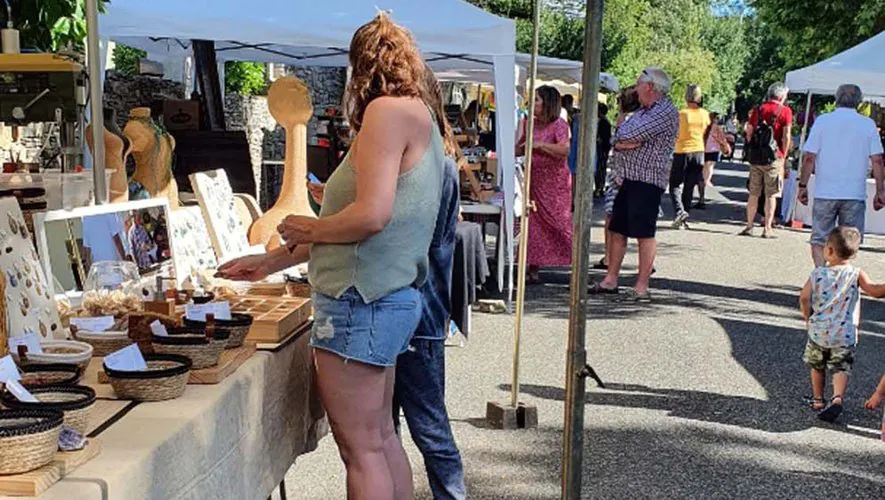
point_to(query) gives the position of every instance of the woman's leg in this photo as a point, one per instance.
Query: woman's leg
(353, 395)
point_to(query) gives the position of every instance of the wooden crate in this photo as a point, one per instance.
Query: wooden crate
(31, 484)
(273, 318)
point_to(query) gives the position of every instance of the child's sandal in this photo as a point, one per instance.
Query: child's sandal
(833, 411)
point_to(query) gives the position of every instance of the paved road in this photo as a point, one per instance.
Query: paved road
(705, 384)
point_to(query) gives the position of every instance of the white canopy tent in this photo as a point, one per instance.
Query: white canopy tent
(480, 70)
(862, 65)
(303, 33)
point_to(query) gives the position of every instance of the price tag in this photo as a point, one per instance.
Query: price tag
(127, 359)
(20, 392)
(159, 329)
(29, 340)
(198, 312)
(8, 370)
(95, 324)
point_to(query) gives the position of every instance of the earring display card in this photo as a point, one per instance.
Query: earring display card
(29, 304)
(191, 244)
(226, 229)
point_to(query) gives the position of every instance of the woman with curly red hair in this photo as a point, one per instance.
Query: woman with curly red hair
(368, 254)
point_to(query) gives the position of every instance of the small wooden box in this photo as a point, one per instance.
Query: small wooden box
(273, 318)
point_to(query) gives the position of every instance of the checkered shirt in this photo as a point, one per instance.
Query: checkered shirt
(655, 128)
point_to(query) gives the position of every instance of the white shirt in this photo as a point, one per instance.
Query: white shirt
(98, 236)
(843, 142)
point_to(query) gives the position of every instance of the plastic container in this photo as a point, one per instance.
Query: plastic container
(63, 191)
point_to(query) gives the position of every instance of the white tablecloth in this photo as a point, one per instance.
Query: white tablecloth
(875, 221)
(233, 440)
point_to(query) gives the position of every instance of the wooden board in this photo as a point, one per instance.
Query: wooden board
(273, 318)
(231, 359)
(102, 411)
(31, 484)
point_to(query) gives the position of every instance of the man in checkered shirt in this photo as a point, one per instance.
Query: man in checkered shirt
(647, 141)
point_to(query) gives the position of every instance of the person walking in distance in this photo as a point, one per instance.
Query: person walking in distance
(688, 160)
(839, 151)
(603, 147)
(647, 141)
(768, 141)
(715, 145)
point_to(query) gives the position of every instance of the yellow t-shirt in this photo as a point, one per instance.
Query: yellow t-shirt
(693, 123)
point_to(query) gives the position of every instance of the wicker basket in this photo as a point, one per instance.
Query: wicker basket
(75, 401)
(59, 351)
(104, 343)
(235, 328)
(165, 378)
(28, 439)
(50, 374)
(203, 350)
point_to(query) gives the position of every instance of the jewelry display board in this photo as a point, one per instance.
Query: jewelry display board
(226, 229)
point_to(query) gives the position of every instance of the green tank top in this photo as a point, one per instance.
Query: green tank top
(396, 257)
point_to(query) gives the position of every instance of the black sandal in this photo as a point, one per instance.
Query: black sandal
(832, 412)
(598, 289)
(811, 401)
(601, 265)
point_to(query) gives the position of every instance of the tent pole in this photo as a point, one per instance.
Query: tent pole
(576, 363)
(526, 206)
(93, 66)
(801, 157)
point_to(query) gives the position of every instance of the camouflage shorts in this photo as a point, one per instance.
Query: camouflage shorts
(836, 359)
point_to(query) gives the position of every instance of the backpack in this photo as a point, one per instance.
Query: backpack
(763, 147)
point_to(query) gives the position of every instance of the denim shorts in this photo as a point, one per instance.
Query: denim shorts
(374, 334)
(827, 214)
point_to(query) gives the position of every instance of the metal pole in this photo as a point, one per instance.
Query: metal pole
(526, 204)
(801, 158)
(575, 372)
(93, 66)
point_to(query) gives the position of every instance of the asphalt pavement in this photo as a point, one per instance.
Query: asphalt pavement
(705, 385)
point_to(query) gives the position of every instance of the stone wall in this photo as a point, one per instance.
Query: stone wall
(122, 92)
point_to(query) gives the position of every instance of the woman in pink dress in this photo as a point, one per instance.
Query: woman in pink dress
(550, 223)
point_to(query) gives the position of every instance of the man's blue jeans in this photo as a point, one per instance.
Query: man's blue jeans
(420, 392)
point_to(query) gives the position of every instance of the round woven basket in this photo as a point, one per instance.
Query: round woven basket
(104, 343)
(235, 328)
(59, 351)
(165, 378)
(50, 374)
(28, 439)
(75, 401)
(193, 343)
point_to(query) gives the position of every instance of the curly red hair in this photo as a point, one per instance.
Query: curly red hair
(385, 62)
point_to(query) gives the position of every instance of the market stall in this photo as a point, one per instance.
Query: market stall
(862, 65)
(308, 34)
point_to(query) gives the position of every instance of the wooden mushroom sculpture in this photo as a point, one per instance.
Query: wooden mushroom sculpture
(289, 102)
(152, 148)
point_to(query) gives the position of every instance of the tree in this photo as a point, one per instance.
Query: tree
(50, 24)
(812, 30)
(126, 59)
(249, 78)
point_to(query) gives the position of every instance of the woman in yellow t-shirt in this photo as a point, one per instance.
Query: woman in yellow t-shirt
(688, 159)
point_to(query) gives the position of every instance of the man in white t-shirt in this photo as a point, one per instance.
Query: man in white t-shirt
(839, 151)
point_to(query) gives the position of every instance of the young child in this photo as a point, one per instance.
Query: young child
(830, 303)
(875, 402)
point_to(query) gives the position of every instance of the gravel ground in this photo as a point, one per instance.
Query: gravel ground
(705, 384)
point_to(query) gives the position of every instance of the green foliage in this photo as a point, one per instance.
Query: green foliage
(50, 24)
(126, 59)
(249, 78)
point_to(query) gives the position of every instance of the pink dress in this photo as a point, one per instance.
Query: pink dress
(550, 227)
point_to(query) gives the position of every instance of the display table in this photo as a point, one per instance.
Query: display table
(483, 213)
(233, 440)
(875, 221)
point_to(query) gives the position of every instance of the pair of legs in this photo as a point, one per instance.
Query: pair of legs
(826, 215)
(764, 180)
(686, 173)
(707, 180)
(618, 249)
(358, 399)
(419, 391)
(838, 360)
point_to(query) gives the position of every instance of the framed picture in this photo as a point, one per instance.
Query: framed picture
(70, 241)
